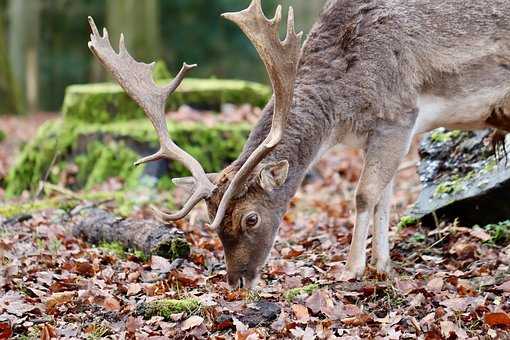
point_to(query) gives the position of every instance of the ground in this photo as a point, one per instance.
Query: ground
(449, 281)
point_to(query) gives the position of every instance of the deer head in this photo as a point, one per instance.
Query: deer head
(244, 201)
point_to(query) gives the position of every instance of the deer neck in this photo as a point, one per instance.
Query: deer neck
(309, 129)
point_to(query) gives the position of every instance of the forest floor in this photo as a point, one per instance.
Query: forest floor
(449, 282)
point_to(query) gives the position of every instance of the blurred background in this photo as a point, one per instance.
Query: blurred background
(43, 43)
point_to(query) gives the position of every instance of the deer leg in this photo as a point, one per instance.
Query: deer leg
(386, 148)
(380, 239)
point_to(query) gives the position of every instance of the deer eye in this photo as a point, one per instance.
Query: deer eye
(251, 220)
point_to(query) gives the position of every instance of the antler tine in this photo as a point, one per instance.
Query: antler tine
(281, 59)
(136, 79)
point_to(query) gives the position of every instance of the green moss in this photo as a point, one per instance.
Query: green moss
(102, 151)
(293, 293)
(500, 233)
(2, 136)
(115, 248)
(441, 135)
(407, 221)
(160, 71)
(455, 185)
(63, 203)
(167, 307)
(104, 103)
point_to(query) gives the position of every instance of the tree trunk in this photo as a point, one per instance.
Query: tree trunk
(23, 48)
(97, 226)
(140, 23)
(9, 90)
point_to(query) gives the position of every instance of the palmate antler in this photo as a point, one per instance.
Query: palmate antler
(136, 79)
(281, 59)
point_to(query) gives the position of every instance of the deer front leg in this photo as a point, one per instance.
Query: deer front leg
(380, 239)
(387, 146)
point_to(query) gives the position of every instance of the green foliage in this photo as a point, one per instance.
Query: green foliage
(2, 136)
(500, 233)
(293, 293)
(106, 103)
(161, 71)
(407, 221)
(167, 307)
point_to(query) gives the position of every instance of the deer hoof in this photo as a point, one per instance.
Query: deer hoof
(383, 268)
(353, 272)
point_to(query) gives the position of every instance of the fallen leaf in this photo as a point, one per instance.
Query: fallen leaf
(5, 330)
(160, 264)
(505, 287)
(435, 285)
(192, 321)
(48, 332)
(301, 313)
(85, 269)
(461, 304)
(57, 299)
(358, 320)
(497, 319)
(111, 304)
(134, 288)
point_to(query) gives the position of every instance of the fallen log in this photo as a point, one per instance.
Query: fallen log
(97, 226)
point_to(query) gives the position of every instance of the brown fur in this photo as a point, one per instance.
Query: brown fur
(364, 65)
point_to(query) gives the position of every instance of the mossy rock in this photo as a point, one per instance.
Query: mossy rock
(102, 151)
(107, 102)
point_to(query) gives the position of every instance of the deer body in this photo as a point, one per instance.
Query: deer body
(372, 74)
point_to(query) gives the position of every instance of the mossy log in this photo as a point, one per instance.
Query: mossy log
(104, 103)
(167, 307)
(97, 226)
(101, 151)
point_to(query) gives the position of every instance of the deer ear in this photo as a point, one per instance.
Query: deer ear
(273, 175)
(189, 183)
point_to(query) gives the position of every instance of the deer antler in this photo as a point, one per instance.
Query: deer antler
(281, 59)
(136, 79)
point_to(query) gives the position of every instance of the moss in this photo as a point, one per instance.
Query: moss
(105, 150)
(2, 136)
(441, 135)
(293, 293)
(179, 249)
(62, 203)
(500, 233)
(160, 71)
(115, 248)
(104, 103)
(407, 221)
(455, 185)
(167, 307)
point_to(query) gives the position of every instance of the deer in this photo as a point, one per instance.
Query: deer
(372, 74)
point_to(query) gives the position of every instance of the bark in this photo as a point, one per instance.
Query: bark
(140, 23)
(9, 91)
(23, 48)
(97, 226)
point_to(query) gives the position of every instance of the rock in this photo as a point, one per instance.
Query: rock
(260, 313)
(88, 154)
(462, 179)
(107, 102)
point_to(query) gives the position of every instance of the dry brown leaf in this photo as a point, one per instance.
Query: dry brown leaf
(497, 319)
(48, 332)
(301, 313)
(134, 288)
(505, 287)
(358, 320)
(160, 264)
(57, 299)
(5, 330)
(111, 304)
(192, 321)
(435, 285)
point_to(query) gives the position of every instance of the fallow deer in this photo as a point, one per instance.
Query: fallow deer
(372, 74)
